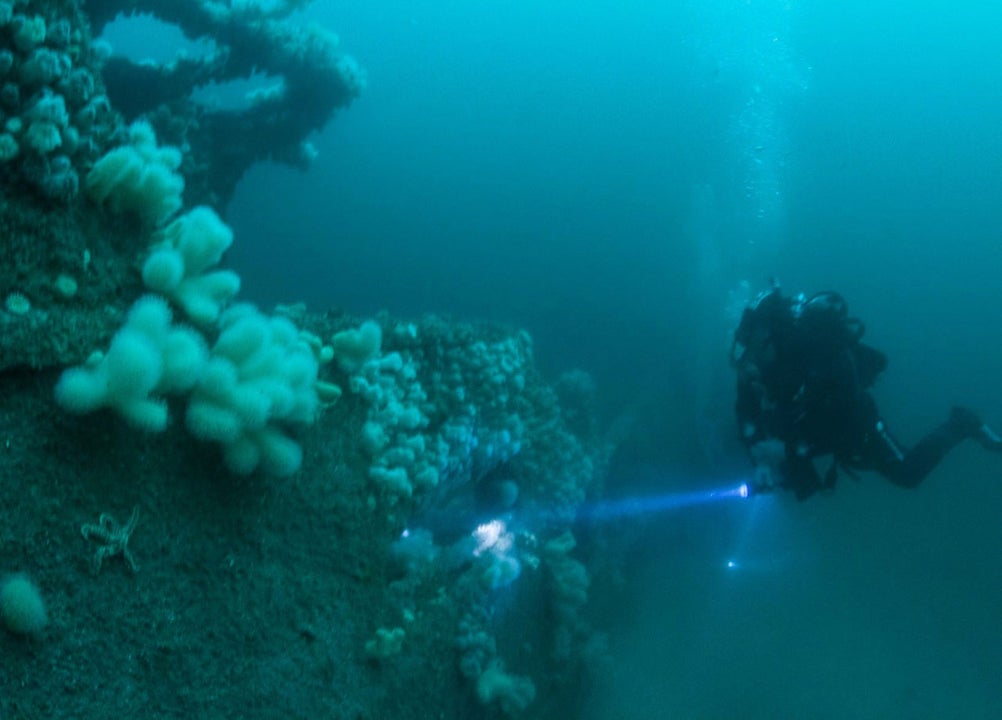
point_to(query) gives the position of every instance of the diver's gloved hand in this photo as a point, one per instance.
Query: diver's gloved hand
(970, 424)
(766, 479)
(768, 457)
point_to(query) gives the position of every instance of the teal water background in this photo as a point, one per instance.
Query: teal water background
(608, 174)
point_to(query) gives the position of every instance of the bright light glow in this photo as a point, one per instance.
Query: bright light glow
(493, 536)
(743, 490)
(732, 565)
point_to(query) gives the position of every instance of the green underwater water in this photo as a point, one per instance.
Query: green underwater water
(613, 179)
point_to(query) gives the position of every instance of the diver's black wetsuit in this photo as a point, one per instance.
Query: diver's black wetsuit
(803, 379)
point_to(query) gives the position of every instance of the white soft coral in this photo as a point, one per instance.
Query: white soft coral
(140, 177)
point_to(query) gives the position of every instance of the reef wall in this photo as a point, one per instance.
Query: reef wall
(217, 511)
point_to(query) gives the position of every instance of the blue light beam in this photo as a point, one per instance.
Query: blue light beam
(632, 507)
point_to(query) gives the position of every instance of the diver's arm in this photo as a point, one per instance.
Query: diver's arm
(800, 475)
(749, 411)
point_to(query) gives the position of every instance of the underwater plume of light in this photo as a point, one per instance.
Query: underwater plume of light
(494, 536)
(631, 507)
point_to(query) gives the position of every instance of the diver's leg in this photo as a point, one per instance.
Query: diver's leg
(927, 454)
(908, 469)
(976, 428)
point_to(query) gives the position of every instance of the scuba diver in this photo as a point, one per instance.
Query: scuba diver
(803, 398)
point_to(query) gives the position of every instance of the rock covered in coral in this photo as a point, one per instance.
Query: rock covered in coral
(54, 118)
(313, 78)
